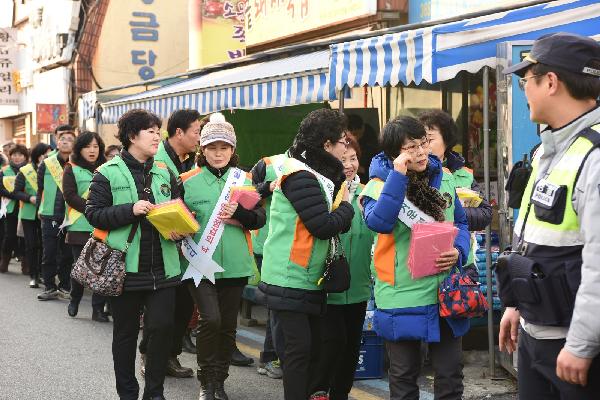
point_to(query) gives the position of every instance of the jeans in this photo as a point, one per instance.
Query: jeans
(159, 306)
(56, 256)
(297, 344)
(446, 358)
(218, 307)
(537, 372)
(341, 336)
(77, 288)
(33, 246)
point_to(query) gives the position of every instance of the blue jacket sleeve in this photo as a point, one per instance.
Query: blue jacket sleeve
(463, 239)
(381, 215)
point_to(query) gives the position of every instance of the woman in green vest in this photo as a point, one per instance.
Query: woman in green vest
(342, 324)
(122, 193)
(407, 309)
(88, 154)
(442, 136)
(305, 216)
(26, 191)
(219, 302)
(19, 155)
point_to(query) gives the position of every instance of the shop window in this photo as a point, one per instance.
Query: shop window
(412, 100)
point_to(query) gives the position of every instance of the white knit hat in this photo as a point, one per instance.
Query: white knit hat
(217, 129)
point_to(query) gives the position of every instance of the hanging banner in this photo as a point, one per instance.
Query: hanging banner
(50, 116)
(216, 31)
(8, 66)
(270, 20)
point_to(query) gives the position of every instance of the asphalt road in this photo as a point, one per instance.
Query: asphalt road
(45, 354)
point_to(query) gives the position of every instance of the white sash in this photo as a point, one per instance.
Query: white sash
(4, 207)
(411, 214)
(200, 254)
(326, 183)
(9, 185)
(278, 161)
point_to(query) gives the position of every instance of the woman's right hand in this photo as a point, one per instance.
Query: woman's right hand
(401, 162)
(32, 200)
(142, 207)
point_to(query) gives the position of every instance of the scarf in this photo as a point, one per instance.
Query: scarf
(426, 198)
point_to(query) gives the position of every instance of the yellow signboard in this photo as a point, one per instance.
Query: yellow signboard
(268, 20)
(216, 31)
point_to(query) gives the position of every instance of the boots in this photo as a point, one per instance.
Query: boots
(207, 385)
(188, 343)
(220, 390)
(175, 369)
(24, 266)
(4, 262)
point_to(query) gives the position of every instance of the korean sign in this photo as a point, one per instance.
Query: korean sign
(144, 29)
(8, 57)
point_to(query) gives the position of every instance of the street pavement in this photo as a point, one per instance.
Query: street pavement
(45, 354)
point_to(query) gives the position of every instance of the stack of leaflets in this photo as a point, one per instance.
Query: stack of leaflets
(468, 197)
(427, 242)
(173, 217)
(246, 196)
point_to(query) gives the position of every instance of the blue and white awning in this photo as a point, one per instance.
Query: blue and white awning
(298, 79)
(88, 103)
(439, 53)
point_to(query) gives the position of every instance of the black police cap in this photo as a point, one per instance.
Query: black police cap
(567, 51)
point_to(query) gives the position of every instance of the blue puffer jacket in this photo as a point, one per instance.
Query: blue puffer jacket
(412, 323)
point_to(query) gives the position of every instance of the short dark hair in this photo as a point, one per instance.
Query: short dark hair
(181, 119)
(84, 140)
(112, 147)
(39, 150)
(579, 86)
(19, 148)
(318, 127)
(397, 131)
(443, 121)
(64, 128)
(132, 122)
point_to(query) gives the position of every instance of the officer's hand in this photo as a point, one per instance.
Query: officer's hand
(228, 210)
(509, 330)
(142, 207)
(572, 369)
(447, 260)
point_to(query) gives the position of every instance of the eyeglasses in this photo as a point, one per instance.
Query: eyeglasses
(523, 81)
(344, 142)
(424, 145)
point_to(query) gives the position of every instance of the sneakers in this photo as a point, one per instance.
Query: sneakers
(319, 396)
(49, 294)
(272, 369)
(64, 294)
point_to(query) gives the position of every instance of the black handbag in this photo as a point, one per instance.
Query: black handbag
(336, 278)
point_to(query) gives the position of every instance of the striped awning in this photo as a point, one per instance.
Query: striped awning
(298, 79)
(89, 104)
(439, 53)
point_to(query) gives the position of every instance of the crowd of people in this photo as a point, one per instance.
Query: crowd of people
(312, 199)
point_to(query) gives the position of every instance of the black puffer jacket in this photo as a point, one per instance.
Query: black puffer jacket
(303, 191)
(101, 214)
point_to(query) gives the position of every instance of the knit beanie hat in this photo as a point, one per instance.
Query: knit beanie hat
(217, 130)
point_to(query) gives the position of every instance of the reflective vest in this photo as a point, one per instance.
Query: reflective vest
(8, 181)
(463, 178)
(234, 251)
(357, 244)
(52, 184)
(394, 286)
(83, 178)
(26, 209)
(292, 256)
(124, 191)
(162, 155)
(259, 236)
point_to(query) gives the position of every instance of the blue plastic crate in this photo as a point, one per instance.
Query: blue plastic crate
(370, 359)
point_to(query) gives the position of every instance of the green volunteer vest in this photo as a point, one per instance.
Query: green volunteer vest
(27, 210)
(292, 257)
(357, 245)
(563, 173)
(83, 178)
(124, 192)
(8, 180)
(50, 188)
(162, 155)
(233, 252)
(394, 287)
(260, 236)
(464, 179)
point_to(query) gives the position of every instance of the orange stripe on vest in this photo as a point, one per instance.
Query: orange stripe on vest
(384, 258)
(302, 245)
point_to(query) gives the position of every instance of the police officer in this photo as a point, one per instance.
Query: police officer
(551, 284)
